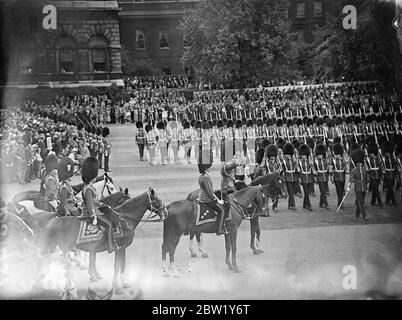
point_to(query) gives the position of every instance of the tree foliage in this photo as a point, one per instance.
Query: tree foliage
(137, 67)
(234, 41)
(368, 53)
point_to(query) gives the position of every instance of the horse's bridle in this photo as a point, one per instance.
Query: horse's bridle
(106, 185)
(154, 211)
(242, 209)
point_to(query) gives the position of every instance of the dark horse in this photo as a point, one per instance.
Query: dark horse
(63, 232)
(182, 214)
(274, 187)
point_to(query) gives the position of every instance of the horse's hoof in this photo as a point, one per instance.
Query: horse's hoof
(118, 290)
(256, 252)
(126, 285)
(205, 255)
(193, 255)
(260, 251)
(237, 270)
(230, 267)
(165, 273)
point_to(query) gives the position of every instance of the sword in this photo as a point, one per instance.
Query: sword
(344, 197)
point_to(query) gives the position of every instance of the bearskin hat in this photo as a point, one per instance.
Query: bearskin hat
(265, 143)
(139, 124)
(320, 149)
(299, 122)
(289, 122)
(358, 120)
(192, 122)
(198, 124)
(387, 147)
(288, 149)
(372, 148)
(249, 123)
(338, 149)
(331, 123)
(272, 150)
(239, 123)
(270, 122)
(243, 121)
(90, 168)
(205, 125)
(319, 121)
(369, 139)
(355, 146)
(98, 131)
(337, 140)
(219, 124)
(51, 162)
(214, 122)
(259, 155)
(396, 138)
(310, 142)
(398, 148)
(186, 125)
(229, 124)
(264, 119)
(338, 121)
(369, 118)
(160, 125)
(105, 132)
(279, 122)
(296, 143)
(280, 143)
(260, 123)
(225, 121)
(304, 150)
(305, 119)
(65, 169)
(148, 128)
(310, 122)
(357, 156)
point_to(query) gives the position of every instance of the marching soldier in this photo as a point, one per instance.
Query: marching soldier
(271, 166)
(49, 186)
(107, 146)
(306, 175)
(389, 171)
(229, 141)
(289, 167)
(338, 171)
(140, 136)
(311, 144)
(374, 172)
(186, 140)
(197, 137)
(228, 179)
(358, 176)
(259, 134)
(162, 141)
(150, 142)
(251, 143)
(322, 173)
(174, 134)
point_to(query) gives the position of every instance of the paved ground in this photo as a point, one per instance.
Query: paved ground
(305, 252)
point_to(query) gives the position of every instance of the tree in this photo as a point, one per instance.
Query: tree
(368, 53)
(235, 41)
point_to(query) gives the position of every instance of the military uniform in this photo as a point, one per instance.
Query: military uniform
(289, 167)
(187, 140)
(358, 176)
(322, 173)
(390, 172)
(306, 175)
(228, 179)
(162, 142)
(150, 140)
(338, 171)
(375, 172)
(140, 139)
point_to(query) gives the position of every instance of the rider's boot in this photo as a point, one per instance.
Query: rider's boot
(221, 220)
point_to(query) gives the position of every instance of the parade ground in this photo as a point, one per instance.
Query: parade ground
(307, 255)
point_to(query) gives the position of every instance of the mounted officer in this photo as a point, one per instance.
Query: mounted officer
(66, 201)
(49, 185)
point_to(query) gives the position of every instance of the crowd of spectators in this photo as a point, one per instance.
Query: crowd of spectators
(157, 82)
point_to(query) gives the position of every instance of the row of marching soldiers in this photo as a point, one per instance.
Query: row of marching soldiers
(306, 164)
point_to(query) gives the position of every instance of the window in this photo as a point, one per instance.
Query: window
(99, 54)
(66, 53)
(140, 39)
(301, 10)
(317, 8)
(166, 71)
(25, 62)
(163, 39)
(300, 36)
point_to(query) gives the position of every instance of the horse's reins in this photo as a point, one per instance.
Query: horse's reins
(242, 209)
(106, 185)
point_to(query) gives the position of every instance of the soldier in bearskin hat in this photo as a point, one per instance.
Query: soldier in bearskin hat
(162, 139)
(389, 163)
(251, 143)
(358, 176)
(150, 142)
(375, 172)
(140, 135)
(67, 203)
(49, 186)
(306, 174)
(322, 173)
(187, 139)
(289, 167)
(90, 208)
(338, 171)
(107, 147)
(174, 134)
(207, 195)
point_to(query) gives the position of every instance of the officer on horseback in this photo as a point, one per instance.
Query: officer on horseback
(207, 195)
(49, 186)
(66, 194)
(91, 204)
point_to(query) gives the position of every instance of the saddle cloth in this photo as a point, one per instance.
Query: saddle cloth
(204, 214)
(89, 233)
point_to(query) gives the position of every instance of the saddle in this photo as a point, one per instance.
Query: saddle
(92, 233)
(204, 214)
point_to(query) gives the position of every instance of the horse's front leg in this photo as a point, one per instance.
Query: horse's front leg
(123, 268)
(193, 254)
(227, 246)
(199, 242)
(117, 264)
(233, 240)
(93, 273)
(253, 233)
(258, 234)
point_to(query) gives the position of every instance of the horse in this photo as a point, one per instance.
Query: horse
(38, 219)
(63, 232)
(183, 213)
(274, 187)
